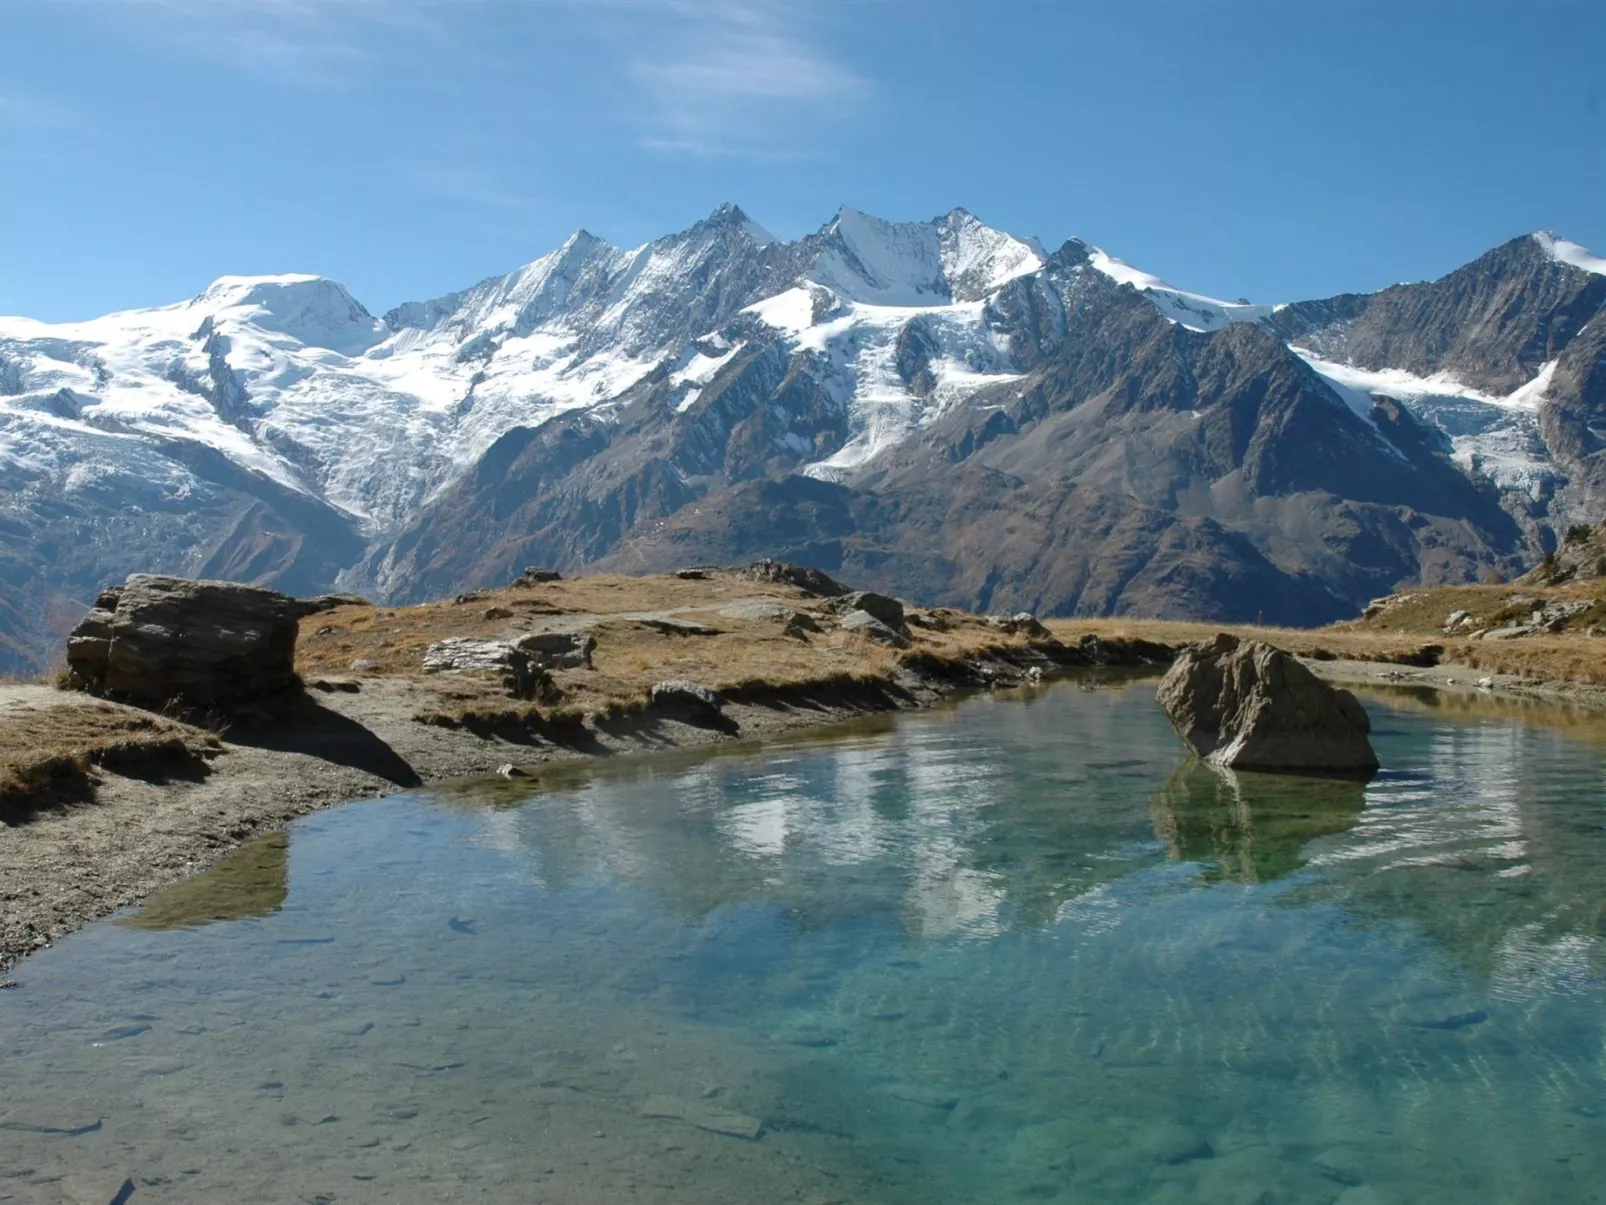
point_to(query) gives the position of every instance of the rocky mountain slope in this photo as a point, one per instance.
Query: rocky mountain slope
(935, 408)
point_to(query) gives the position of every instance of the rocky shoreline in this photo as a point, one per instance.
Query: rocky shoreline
(67, 867)
(143, 823)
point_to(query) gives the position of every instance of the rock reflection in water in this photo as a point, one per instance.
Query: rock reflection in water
(946, 963)
(1252, 827)
(253, 881)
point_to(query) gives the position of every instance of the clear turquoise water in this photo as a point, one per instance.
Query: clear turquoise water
(1017, 951)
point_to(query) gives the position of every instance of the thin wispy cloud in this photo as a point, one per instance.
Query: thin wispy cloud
(724, 76)
(32, 113)
(299, 42)
(467, 184)
(706, 77)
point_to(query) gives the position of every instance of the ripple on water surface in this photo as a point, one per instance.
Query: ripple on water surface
(1014, 951)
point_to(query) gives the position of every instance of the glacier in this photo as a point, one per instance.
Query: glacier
(295, 382)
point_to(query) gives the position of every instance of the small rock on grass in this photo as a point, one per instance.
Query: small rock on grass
(679, 692)
(869, 626)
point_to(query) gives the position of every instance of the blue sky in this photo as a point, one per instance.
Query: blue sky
(1272, 149)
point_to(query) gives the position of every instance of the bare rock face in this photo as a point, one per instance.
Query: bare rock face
(1250, 706)
(158, 639)
(534, 575)
(867, 625)
(888, 610)
(517, 671)
(810, 581)
(558, 650)
(690, 701)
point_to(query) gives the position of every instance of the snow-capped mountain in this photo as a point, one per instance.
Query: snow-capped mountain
(273, 429)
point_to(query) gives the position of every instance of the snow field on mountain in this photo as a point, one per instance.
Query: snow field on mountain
(857, 350)
(1495, 436)
(1565, 252)
(1192, 310)
(288, 376)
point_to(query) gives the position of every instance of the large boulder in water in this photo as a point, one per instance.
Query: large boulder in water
(159, 639)
(1247, 705)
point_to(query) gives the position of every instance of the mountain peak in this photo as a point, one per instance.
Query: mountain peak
(313, 310)
(582, 240)
(1563, 251)
(727, 215)
(955, 257)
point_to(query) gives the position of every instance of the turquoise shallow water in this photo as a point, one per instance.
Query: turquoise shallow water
(1016, 951)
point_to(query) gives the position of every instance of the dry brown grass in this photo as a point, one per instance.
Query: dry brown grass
(48, 754)
(1321, 643)
(398, 637)
(747, 654)
(742, 655)
(1403, 633)
(1571, 655)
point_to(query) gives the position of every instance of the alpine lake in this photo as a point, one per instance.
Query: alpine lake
(1020, 949)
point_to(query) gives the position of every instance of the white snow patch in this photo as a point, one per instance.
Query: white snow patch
(884, 263)
(858, 350)
(791, 311)
(1497, 437)
(1564, 252)
(1397, 383)
(980, 260)
(701, 368)
(1192, 310)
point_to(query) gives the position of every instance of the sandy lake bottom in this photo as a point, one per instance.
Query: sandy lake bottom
(1018, 950)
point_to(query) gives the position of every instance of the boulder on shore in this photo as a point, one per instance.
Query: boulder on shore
(810, 581)
(867, 625)
(1250, 706)
(558, 650)
(888, 610)
(689, 700)
(517, 671)
(158, 639)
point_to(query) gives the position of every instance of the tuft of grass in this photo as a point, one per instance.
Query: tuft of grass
(48, 755)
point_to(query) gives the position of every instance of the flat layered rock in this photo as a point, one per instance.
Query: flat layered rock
(680, 694)
(558, 650)
(520, 676)
(888, 610)
(867, 625)
(1247, 705)
(157, 639)
(810, 581)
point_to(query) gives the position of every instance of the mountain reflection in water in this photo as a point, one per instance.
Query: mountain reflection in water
(1020, 950)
